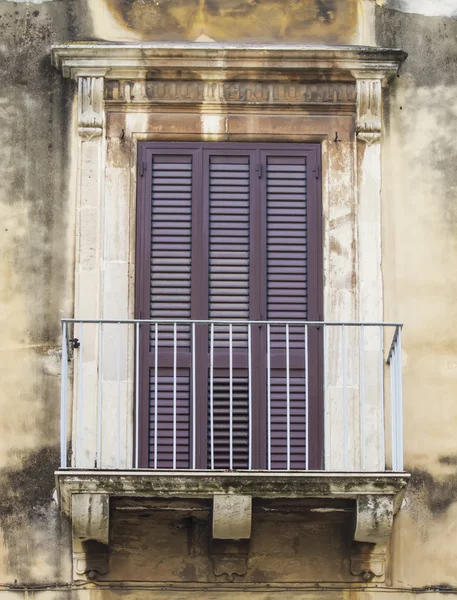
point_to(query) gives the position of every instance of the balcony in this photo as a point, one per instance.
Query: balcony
(230, 411)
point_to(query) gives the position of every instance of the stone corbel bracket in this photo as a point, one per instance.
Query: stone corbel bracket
(232, 523)
(91, 117)
(374, 518)
(90, 531)
(369, 107)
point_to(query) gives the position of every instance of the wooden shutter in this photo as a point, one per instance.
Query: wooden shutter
(286, 299)
(229, 231)
(170, 298)
(229, 293)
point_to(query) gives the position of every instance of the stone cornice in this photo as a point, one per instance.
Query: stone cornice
(223, 61)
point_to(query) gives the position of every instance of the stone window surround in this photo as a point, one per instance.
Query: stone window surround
(223, 92)
(133, 92)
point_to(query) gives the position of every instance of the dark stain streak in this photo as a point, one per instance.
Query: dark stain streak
(439, 494)
(449, 460)
(27, 507)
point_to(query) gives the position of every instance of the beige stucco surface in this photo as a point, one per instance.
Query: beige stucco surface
(419, 286)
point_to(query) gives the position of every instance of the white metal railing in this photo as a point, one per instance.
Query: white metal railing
(102, 385)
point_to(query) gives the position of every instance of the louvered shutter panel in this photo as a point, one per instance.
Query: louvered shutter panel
(287, 295)
(170, 298)
(229, 295)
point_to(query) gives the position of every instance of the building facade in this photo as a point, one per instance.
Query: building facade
(222, 225)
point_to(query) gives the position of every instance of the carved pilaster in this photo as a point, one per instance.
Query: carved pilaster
(369, 123)
(90, 106)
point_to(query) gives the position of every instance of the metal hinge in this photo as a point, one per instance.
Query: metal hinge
(317, 172)
(143, 169)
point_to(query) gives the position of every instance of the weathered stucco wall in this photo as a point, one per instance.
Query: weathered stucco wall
(420, 277)
(37, 174)
(36, 252)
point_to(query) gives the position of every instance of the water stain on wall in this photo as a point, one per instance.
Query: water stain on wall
(305, 21)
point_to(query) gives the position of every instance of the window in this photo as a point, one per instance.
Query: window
(228, 232)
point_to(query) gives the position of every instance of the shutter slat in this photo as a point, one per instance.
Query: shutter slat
(287, 289)
(171, 243)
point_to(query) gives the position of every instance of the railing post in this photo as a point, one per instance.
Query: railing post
(381, 394)
(399, 396)
(118, 436)
(269, 397)
(137, 393)
(194, 400)
(156, 390)
(211, 394)
(393, 405)
(362, 397)
(64, 398)
(79, 416)
(345, 418)
(99, 395)
(326, 403)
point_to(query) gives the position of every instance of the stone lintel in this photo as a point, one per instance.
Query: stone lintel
(143, 60)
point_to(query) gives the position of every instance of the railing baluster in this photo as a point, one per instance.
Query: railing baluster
(211, 393)
(79, 425)
(175, 358)
(326, 403)
(156, 391)
(393, 407)
(306, 399)
(64, 398)
(118, 436)
(345, 422)
(99, 397)
(269, 396)
(137, 393)
(381, 394)
(194, 401)
(231, 394)
(362, 397)
(399, 404)
(288, 394)
(250, 397)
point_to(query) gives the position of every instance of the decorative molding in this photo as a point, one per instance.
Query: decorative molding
(228, 92)
(224, 61)
(230, 558)
(369, 561)
(369, 122)
(90, 107)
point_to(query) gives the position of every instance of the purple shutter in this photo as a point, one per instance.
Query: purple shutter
(287, 299)
(229, 181)
(229, 231)
(170, 298)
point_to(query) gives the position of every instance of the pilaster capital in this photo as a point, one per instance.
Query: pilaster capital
(369, 106)
(90, 106)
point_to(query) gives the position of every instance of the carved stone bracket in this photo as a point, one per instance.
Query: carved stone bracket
(232, 518)
(90, 530)
(374, 519)
(369, 124)
(90, 106)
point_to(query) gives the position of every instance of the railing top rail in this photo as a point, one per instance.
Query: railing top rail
(237, 322)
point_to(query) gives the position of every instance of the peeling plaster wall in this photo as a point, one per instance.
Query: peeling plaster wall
(420, 278)
(37, 177)
(36, 253)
